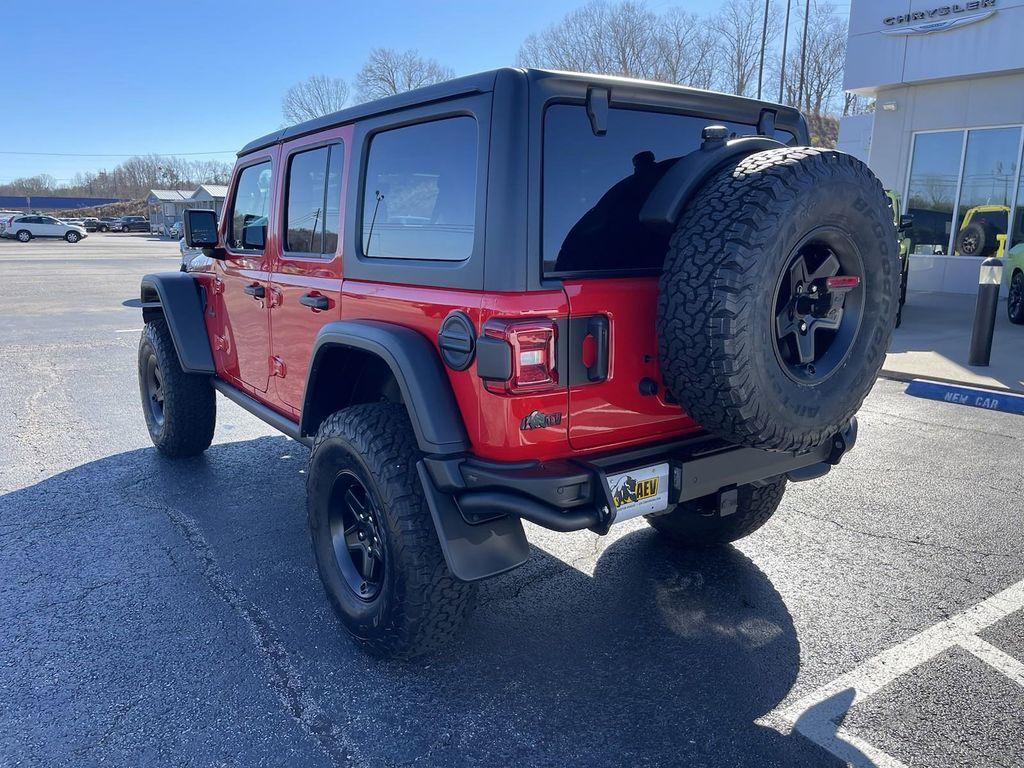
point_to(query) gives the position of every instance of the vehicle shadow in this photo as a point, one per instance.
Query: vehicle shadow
(196, 578)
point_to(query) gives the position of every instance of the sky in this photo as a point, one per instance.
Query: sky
(203, 78)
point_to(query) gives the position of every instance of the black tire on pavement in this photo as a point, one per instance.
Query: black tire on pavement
(180, 408)
(903, 294)
(103, 228)
(1015, 299)
(762, 339)
(72, 237)
(696, 523)
(24, 235)
(374, 541)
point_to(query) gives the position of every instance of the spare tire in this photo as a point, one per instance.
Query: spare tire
(976, 239)
(778, 297)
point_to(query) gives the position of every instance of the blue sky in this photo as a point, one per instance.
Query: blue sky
(187, 76)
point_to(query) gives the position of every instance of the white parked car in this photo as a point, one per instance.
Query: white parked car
(187, 254)
(30, 225)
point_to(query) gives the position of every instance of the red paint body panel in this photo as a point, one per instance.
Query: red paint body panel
(613, 413)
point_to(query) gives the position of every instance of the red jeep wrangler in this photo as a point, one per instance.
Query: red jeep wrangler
(527, 295)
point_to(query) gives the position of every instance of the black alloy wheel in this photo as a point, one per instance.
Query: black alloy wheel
(153, 382)
(357, 536)
(1015, 299)
(818, 305)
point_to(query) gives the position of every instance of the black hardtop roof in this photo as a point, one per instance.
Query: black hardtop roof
(482, 82)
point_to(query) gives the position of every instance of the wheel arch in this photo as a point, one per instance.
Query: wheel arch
(176, 297)
(374, 358)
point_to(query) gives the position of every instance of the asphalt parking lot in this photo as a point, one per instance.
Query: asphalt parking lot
(155, 612)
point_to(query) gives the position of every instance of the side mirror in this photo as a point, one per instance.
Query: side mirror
(200, 228)
(906, 224)
(254, 234)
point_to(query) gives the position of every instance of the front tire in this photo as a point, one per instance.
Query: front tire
(72, 237)
(374, 541)
(696, 523)
(180, 408)
(1015, 299)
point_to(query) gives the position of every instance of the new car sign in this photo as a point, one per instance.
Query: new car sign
(940, 18)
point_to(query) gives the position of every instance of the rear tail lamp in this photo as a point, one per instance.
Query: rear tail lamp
(532, 355)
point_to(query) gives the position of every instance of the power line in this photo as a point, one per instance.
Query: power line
(123, 154)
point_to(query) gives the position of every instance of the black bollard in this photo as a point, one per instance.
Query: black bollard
(989, 280)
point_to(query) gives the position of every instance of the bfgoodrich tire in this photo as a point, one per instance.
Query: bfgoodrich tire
(373, 537)
(778, 297)
(180, 408)
(696, 523)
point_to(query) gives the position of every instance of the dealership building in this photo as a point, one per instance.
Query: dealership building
(947, 132)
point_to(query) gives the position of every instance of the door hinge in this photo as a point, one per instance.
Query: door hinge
(277, 367)
(220, 343)
(276, 297)
(218, 286)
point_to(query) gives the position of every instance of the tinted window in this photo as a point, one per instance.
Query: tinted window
(594, 186)
(333, 204)
(250, 208)
(420, 192)
(307, 181)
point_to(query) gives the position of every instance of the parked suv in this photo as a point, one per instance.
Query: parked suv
(131, 224)
(526, 295)
(29, 226)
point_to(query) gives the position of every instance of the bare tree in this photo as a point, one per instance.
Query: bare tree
(314, 97)
(822, 89)
(626, 39)
(738, 27)
(387, 72)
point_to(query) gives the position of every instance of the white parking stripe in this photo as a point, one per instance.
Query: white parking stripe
(995, 658)
(816, 715)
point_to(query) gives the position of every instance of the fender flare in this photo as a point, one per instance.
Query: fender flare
(177, 296)
(417, 369)
(672, 193)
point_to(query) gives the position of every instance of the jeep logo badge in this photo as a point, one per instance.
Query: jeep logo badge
(538, 420)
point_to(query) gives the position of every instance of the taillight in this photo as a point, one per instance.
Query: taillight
(532, 345)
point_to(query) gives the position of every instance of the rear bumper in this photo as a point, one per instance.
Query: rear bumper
(573, 495)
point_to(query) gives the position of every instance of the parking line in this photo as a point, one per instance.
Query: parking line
(817, 714)
(128, 330)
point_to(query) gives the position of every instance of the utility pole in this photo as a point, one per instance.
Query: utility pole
(803, 58)
(785, 40)
(764, 44)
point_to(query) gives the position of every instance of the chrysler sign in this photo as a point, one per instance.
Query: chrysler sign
(940, 18)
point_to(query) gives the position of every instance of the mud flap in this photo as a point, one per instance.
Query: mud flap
(473, 552)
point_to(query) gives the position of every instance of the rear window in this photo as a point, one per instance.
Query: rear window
(419, 195)
(595, 186)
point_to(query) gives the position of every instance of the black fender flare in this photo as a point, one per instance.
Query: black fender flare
(177, 296)
(417, 369)
(671, 194)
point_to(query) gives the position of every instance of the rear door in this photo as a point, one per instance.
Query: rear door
(242, 281)
(306, 278)
(593, 189)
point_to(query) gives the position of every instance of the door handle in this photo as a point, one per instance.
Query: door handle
(314, 301)
(255, 290)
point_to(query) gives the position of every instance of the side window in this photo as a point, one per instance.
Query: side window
(250, 208)
(314, 199)
(419, 193)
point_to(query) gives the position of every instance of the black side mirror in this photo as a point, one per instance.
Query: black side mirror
(254, 234)
(906, 224)
(200, 228)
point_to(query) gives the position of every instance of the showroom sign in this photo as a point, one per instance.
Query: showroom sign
(940, 18)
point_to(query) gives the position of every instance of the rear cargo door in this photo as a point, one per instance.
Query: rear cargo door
(596, 178)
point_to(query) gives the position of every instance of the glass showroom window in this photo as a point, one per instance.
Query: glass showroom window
(1017, 236)
(986, 191)
(931, 193)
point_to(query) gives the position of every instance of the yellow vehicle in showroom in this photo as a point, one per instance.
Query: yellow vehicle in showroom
(982, 232)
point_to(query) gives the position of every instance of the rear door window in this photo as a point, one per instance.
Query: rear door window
(419, 193)
(595, 186)
(313, 202)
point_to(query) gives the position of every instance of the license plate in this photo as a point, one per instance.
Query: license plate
(639, 491)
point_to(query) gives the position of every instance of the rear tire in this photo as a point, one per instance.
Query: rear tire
(180, 408)
(748, 341)
(395, 596)
(24, 235)
(696, 523)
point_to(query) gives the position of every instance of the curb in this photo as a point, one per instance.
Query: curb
(908, 377)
